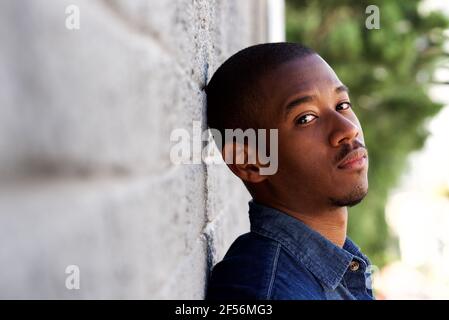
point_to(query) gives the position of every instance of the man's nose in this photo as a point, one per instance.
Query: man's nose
(344, 131)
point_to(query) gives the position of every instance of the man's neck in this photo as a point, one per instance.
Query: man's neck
(331, 223)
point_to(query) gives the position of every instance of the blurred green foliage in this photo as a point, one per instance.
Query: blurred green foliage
(387, 71)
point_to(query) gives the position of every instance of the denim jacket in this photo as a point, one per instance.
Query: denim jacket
(281, 258)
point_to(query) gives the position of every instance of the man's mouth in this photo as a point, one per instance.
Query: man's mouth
(356, 159)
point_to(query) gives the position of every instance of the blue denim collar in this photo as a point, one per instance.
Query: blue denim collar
(321, 257)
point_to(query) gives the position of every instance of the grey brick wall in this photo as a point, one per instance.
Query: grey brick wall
(85, 121)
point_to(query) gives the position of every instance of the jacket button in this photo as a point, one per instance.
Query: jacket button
(354, 266)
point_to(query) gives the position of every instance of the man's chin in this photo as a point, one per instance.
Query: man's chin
(351, 199)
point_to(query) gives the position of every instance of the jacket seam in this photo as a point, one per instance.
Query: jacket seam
(273, 271)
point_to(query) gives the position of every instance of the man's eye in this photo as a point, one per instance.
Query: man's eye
(305, 119)
(343, 106)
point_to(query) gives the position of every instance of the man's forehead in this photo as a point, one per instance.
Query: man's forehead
(309, 69)
(315, 83)
(303, 74)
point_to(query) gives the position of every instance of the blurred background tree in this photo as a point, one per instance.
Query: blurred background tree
(388, 71)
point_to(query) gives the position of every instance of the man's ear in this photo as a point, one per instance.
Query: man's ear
(243, 162)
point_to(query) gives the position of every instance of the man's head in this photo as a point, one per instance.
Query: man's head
(286, 86)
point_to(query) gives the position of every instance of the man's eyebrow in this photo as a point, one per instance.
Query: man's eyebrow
(342, 88)
(308, 98)
(297, 102)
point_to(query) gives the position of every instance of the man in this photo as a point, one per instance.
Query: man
(297, 247)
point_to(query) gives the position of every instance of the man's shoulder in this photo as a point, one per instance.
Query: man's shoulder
(244, 272)
(246, 245)
(258, 267)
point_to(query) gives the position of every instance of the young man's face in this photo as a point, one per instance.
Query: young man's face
(322, 159)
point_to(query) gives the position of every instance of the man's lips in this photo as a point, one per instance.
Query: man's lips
(354, 160)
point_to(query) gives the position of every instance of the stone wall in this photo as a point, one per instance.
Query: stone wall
(85, 122)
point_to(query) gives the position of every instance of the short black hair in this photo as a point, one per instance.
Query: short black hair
(233, 93)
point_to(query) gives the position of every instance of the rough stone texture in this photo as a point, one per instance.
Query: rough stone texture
(85, 122)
